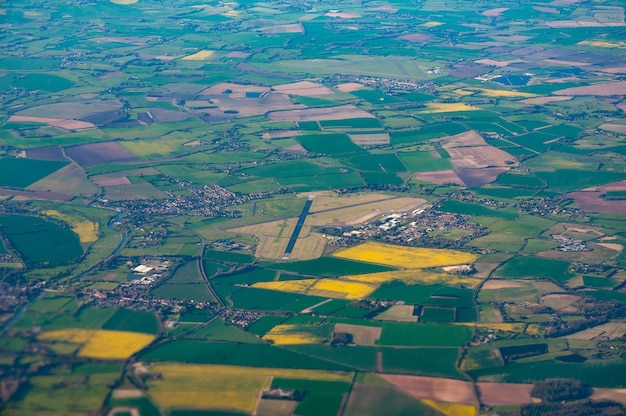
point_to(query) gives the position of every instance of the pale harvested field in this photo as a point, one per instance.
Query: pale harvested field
(349, 87)
(495, 12)
(236, 54)
(561, 24)
(465, 139)
(56, 122)
(280, 134)
(304, 88)
(273, 236)
(601, 89)
(545, 100)
(414, 37)
(249, 107)
(398, 313)
(296, 148)
(356, 210)
(612, 246)
(290, 28)
(343, 15)
(361, 334)
(616, 128)
(327, 113)
(124, 393)
(560, 302)
(221, 88)
(500, 284)
(596, 255)
(433, 388)
(309, 245)
(438, 177)
(616, 395)
(124, 2)
(69, 180)
(499, 64)
(71, 110)
(267, 407)
(433, 108)
(504, 394)
(585, 335)
(478, 177)
(199, 56)
(480, 157)
(370, 139)
(484, 269)
(613, 186)
(613, 329)
(551, 10)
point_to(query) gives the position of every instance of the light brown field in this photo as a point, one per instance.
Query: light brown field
(483, 270)
(495, 12)
(361, 334)
(199, 56)
(504, 394)
(69, 180)
(125, 393)
(303, 88)
(370, 139)
(466, 138)
(545, 100)
(551, 10)
(280, 134)
(267, 407)
(343, 15)
(57, 122)
(237, 89)
(296, 148)
(398, 313)
(248, 107)
(481, 157)
(595, 255)
(562, 24)
(349, 87)
(433, 108)
(414, 37)
(499, 64)
(616, 128)
(616, 395)
(133, 191)
(560, 302)
(500, 284)
(327, 113)
(612, 246)
(438, 177)
(237, 54)
(600, 89)
(290, 28)
(432, 388)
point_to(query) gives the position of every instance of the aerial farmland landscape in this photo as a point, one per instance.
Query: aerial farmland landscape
(312, 208)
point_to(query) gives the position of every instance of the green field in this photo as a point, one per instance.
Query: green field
(19, 172)
(133, 321)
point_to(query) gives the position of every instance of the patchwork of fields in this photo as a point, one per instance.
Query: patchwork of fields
(284, 208)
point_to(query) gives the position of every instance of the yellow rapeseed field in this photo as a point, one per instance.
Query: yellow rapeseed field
(415, 276)
(292, 338)
(221, 386)
(448, 108)
(199, 56)
(603, 44)
(87, 230)
(293, 286)
(340, 289)
(504, 93)
(510, 327)
(535, 329)
(101, 343)
(452, 409)
(406, 257)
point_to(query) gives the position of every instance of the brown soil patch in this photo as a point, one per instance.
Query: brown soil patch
(613, 186)
(343, 15)
(414, 37)
(480, 157)
(349, 87)
(551, 10)
(167, 116)
(292, 28)
(439, 177)
(69, 180)
(504, 394)
(233, 90)
(440, 389)
(601, 89)
(478, 177)
(303, 88)
(545, 100)
(612, 246)
(127, 393)
(249, 106)
(56, 122)
(500, 284)
(327, 113)
(592, 202)
(560, 302)
(46, 153)
(242, 55)
(296, 149)
(99, 153)
(361, 334)
(112, 181)
(616, 128)
(617, 395)
(467, 138)
(280, 134)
